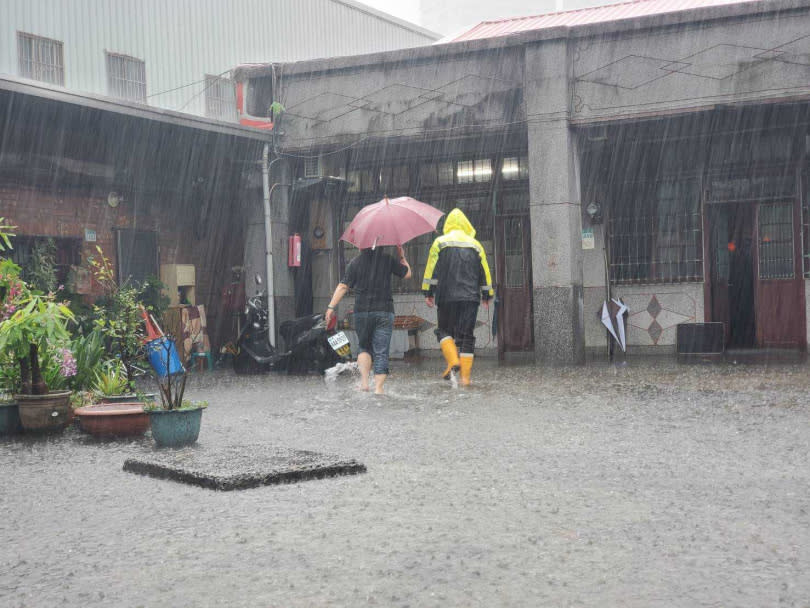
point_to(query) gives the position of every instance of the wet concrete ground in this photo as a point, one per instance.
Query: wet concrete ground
(648, 485)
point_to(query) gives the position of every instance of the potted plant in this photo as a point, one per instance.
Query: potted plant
(175, 421)
(9, 374)
(38, 323)
(111, 383)
(120, 413)
(9, 380)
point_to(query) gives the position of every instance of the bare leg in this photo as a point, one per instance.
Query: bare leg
(364, 363)
(379, 380)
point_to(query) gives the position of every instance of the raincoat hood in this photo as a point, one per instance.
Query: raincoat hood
(456, 220)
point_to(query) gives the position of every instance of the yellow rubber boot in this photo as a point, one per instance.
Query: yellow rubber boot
(466, 361)
(450, 353)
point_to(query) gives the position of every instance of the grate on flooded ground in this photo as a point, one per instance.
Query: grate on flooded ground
(240, 467)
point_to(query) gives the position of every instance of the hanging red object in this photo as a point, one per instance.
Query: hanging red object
(294, 251)
(153, 331)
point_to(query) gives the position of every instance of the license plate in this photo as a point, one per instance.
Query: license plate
(340, 344)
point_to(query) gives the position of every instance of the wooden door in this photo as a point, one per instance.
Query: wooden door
(779, 286)
(514, 283)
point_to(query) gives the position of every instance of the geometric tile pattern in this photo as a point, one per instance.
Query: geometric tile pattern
(657, 314)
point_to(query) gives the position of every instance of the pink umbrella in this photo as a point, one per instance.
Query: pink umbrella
(391, 222)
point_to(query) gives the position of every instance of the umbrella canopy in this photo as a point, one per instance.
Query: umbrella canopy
(391, 222)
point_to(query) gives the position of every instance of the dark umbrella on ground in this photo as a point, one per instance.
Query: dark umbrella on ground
(391, 222)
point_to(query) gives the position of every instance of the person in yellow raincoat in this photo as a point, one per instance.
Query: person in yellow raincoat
(457, 280)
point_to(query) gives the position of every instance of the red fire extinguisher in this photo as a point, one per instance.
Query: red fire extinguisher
(294, 251)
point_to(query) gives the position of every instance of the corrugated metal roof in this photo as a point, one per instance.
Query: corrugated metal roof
(585, 16)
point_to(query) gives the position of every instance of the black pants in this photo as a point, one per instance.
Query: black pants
(457, 319)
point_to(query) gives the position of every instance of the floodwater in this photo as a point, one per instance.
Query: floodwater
(651, 484)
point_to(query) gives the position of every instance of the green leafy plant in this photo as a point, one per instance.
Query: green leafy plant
(40, 270)
(9, 375)
(153, 296)
(6, 234)
(58, 367)
(118, 316)
(37, 323)
(88, 351)
(184, 405)
(111, 379)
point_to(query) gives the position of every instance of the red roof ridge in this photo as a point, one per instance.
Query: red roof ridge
(568, 12)
(619, 11)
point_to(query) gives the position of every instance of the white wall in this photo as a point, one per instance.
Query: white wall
(183, 40)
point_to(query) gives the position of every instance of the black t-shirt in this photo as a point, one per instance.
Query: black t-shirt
(369, 275)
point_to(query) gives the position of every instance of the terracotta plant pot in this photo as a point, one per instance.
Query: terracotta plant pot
(9, 418)
(114, 419)
(49, 412)
(175, 428)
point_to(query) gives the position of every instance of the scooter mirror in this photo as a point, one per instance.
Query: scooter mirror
(258, 279)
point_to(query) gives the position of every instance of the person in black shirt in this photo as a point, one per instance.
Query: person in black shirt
(369, 275)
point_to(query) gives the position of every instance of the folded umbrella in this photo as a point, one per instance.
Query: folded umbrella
(391, 222)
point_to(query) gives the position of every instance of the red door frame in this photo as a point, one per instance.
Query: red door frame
(798, 296)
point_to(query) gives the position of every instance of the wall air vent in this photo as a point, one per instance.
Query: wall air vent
(312, 167)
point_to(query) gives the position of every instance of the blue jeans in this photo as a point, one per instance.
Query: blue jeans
(374, 331)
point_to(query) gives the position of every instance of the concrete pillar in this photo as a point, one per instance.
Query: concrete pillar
(554, 207)
(283, 291)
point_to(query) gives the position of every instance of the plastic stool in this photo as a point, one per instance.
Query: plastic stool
(202, 358)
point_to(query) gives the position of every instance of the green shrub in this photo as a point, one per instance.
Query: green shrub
(111, 379)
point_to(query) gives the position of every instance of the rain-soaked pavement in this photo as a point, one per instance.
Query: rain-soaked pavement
(647, 485)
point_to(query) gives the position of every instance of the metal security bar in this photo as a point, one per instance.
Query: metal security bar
(776, 241)
(655, 234)
(220, 98)
(126, 77)
(41, 59)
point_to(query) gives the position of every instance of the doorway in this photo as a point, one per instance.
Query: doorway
(514, 284)
(733, 280)
(756, 287)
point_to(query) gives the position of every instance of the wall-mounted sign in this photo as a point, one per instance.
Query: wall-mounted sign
(89, 235)
(587, 238)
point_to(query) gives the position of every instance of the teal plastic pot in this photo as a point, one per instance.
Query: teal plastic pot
(175, 428)
(9, 418)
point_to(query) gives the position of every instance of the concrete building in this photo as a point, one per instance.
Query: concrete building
(663, 145)
(178, 55)
(118, 128)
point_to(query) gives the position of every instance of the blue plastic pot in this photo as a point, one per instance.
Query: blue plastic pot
(9, 418)
(175, 428)
(163, 356)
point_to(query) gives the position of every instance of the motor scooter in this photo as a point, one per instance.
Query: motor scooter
(310, 344)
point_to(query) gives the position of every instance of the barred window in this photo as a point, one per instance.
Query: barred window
(220, 98)
(656, 233)
(41, 58)
(776, 241)
(126, 77)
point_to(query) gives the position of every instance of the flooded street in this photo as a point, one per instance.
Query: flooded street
(647, 485)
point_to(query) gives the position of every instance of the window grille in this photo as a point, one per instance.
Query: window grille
(312, 167)
(656, 233)
(126, 77)
(220, 98)
(66, 253)
(776, 241)
(513, 254)
(41, 59)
